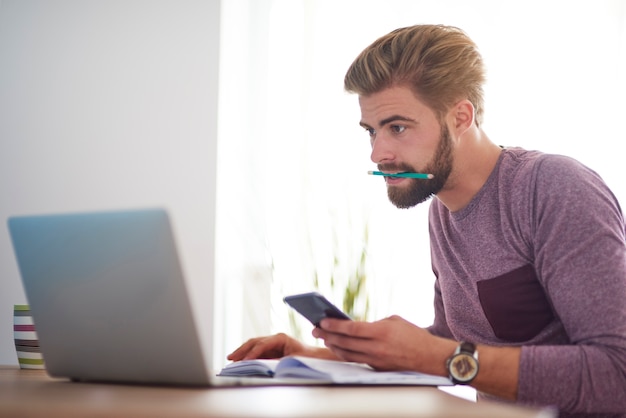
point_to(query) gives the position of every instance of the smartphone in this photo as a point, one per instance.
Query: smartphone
(314, 307)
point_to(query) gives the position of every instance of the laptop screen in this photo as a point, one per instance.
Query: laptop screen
(108, 297)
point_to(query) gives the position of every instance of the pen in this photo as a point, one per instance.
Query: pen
(408, 175)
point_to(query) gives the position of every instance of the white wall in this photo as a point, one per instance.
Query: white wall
(109, 105)
(555, 82)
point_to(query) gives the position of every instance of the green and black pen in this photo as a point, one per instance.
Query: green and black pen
(405, 175)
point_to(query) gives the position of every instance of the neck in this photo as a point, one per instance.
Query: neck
(475, 157)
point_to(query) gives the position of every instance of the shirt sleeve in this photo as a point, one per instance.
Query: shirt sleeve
(579, 245)
(440, 325)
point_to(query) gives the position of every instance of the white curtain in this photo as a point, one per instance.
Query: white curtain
(293, 194)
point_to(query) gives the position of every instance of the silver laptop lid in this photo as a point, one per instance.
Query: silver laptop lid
(108, 297)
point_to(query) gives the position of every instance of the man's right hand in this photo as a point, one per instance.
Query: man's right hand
(276, 346)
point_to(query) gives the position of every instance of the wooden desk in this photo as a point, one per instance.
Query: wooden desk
(31, 393)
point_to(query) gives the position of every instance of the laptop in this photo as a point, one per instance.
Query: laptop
(109, 300)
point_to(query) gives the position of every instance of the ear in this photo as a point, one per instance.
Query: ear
(462, 116)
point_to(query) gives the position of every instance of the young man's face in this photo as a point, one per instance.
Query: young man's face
(407, 137)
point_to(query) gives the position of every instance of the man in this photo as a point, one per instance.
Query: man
(528, 249)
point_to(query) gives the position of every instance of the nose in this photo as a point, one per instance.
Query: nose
(382, 150)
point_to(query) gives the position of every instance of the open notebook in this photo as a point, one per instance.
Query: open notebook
(328, 371)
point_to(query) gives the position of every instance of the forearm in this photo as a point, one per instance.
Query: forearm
(498, 371)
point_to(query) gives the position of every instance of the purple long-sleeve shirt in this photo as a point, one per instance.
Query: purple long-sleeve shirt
(538, 259)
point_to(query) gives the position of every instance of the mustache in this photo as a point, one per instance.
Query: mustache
(396, 168)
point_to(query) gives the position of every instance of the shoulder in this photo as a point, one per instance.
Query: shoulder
(549, 172)
(558, 189)
(561, 168)
(529, 161)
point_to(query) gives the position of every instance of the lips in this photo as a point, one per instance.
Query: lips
(394, 180)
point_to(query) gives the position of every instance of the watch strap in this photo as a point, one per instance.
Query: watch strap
(468, 349)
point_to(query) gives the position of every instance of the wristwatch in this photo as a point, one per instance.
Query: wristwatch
(463, 364)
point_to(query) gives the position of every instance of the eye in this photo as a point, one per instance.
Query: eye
(397, 129)
(371, 132)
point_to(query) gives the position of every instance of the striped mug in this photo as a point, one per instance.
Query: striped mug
(26, 342)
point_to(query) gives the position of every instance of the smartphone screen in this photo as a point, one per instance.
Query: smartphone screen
(314, 307)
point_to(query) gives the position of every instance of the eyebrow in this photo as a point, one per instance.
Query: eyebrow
(390, 119)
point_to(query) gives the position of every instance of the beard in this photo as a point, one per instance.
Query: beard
(418, 191)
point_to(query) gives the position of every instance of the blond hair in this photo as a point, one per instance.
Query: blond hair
(441, 64)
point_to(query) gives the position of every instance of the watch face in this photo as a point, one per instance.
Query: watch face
(463, 367)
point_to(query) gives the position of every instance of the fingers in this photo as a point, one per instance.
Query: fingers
(345, 339)
(349, 355)
(241, 352)
(356, 329)
(380, 344)
(261, 347)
